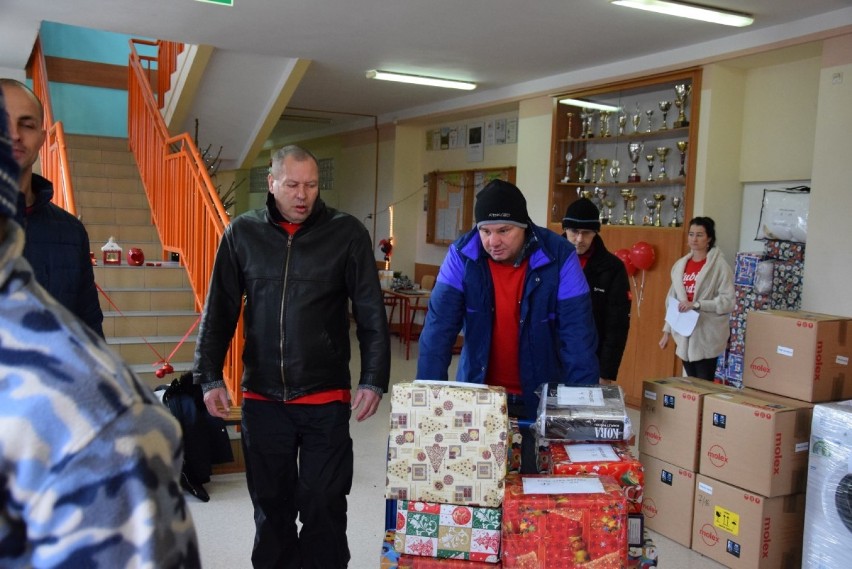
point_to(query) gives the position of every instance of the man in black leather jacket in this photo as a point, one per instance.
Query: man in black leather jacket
(57, 244)
(608, 284)
(294, 267)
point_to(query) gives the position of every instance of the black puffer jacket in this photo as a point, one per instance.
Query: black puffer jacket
(610, 291)
(296, 292)
(57, 247)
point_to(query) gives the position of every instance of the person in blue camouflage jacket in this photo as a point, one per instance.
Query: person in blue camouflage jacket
(89, 458)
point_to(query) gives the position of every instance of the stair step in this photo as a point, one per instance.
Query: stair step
(102, 142)
(99, 156)
(99, 184)
(139, 350)
(135, 299)
(149, 323)
(132, 216)
(147, 373)
(122, 232)
(118, 200)
(115, 277)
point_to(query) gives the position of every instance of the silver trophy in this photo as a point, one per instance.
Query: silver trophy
(649, 113)
(567, 177)
(614, 171)
(622, 123)
(634, 151)
(651, 206)
(682, 92)
(676, 205)
(650, 159)
(664, 107)
(608, 217)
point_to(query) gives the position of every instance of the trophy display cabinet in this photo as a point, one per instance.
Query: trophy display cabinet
(630, 148)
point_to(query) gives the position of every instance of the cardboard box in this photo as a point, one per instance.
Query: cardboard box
(448, 530)
(600, 459)
(669, 499)
(757, 441)
(743, 530)
(564, 522)
(802, 355)
(670, 419)
(447, 443)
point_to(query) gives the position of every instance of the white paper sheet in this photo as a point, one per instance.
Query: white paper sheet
(681, 322)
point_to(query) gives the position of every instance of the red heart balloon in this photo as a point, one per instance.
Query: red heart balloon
(624, 255)
(642, 255)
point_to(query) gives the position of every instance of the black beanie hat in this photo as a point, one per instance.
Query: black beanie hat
(582, 214)
(501, 202)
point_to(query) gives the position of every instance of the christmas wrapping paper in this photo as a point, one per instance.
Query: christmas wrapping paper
(746, 301)
(787, 284)
(414, 562)
(513, 463)
(447, 444)
(448, 530)
(606, 459)
(583, 525)
(784, 250)
(745, 267)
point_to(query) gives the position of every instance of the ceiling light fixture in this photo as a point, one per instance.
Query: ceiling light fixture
(589, 105)
(419, 80)
(688, 10)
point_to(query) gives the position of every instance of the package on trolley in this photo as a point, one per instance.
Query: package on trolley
(582, 413)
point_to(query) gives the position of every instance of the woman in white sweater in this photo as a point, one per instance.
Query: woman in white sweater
(702, 281)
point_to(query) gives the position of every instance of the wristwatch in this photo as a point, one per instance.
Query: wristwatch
(696, 305)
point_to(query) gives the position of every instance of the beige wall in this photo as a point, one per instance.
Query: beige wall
(828, 263)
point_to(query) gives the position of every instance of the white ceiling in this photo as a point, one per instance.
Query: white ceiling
(511, 49)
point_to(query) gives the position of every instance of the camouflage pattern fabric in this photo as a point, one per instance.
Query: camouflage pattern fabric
(89, 458)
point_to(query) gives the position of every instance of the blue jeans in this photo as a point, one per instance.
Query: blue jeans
(299, 462)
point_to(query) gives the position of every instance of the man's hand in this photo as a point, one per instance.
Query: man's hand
(365, 399)
(217, 402)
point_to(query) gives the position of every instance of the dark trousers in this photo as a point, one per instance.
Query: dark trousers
(702, 369)
(299, 462)
(529, 452)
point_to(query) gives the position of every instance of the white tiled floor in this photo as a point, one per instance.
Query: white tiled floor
(225, 524)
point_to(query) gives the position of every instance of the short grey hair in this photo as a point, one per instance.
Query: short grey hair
(298, 153)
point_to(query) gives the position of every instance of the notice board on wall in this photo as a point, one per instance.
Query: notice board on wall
(451, 197)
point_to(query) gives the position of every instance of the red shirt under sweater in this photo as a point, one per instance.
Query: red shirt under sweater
(503, 361)
(690, 274)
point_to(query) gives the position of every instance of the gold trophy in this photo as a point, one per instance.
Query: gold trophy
(588, 117)
(604, 120)
(682, 146)
(570, 125)
(622, 123)
(658, 213)
(636, 119)
(662, 152)
(664, 107)
(595, 163)
(625, 194)
(609, 205)
(631, 199)
(682, 92)
(604, 164)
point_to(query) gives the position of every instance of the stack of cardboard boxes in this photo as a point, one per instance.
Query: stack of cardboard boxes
(726, 468)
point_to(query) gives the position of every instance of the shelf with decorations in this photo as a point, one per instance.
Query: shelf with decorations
(633, 156)
(638, 137)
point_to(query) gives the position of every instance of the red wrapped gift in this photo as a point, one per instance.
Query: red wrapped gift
(565, 522)
(417, 562)
(613, 459)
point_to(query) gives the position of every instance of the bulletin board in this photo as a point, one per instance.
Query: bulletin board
(451, 197)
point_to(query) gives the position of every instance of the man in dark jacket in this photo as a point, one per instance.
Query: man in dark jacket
(608, 283)
(57, 245)
(293, 267)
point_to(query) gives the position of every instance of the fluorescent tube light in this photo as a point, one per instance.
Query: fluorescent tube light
(419, 80)
(589, 105)
(687, 10)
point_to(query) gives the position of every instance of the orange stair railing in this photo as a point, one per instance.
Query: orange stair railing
(53, 154)
(185, 205)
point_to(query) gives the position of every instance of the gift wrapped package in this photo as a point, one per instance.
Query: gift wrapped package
(448, 443)
(448, 531)
(415, 562)
(564, 522)
(601, 459)
(589, 413)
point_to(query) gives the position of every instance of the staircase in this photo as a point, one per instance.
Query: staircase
(155, 302)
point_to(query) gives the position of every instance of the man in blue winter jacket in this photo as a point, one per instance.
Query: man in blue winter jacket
(518, 292)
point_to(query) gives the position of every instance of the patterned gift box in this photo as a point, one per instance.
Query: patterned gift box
(415, 562)
(784, 250)
(564, 522)
(447, 444)
(513, 463)
(787, 284)
(746, 301)
(644, 556)
(745, 267)
(608, 459)
(734, 375)
(448, 530)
